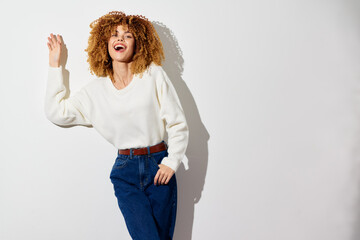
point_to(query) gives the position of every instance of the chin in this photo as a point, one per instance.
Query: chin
(122, 60)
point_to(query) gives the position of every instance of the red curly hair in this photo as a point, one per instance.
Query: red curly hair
(148, 44)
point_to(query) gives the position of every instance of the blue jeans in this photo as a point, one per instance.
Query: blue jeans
(149, 210)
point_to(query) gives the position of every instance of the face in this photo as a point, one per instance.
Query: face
(121, 45)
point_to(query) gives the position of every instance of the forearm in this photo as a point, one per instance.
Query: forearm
(58, 109)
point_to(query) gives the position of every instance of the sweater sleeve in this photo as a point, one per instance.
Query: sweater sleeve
(64, 111)
(176, 126)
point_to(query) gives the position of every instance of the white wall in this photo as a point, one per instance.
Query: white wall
(271, 91)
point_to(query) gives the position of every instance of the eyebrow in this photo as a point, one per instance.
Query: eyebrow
(124, 32)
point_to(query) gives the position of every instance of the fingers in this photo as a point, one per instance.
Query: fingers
(165, 180)
(58, 38)
(156, 178)
(159, 178)
(163, 175)
(162, 178)
(54, 41)
(50, 43)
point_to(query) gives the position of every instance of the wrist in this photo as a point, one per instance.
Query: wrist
(55, 65)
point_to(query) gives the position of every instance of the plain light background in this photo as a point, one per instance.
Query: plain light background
(271, 91)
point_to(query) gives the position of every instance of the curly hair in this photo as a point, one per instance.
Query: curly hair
(148, 46)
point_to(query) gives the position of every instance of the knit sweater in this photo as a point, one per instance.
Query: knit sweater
(133, 117)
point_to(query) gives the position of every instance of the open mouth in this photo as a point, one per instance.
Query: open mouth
(120, 47)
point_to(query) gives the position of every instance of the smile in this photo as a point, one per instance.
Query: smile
(120, 47)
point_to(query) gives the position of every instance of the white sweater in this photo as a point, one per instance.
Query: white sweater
(133, 117)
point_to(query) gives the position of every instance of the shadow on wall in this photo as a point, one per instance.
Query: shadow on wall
(354, 209)
(353, 7)
(191, 180)
(354, 181)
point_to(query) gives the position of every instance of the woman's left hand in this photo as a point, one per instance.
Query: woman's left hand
(163, 174)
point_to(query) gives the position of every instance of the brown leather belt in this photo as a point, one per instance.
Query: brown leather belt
(142, 151)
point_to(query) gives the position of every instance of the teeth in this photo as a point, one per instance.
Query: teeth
(118, 47)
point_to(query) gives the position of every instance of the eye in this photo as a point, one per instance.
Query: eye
(128, 36)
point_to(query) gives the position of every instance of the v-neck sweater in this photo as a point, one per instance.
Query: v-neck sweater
(132, 117)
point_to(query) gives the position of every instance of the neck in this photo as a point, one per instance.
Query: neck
(121, 72)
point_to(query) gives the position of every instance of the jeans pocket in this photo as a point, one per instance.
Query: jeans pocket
(158, 157)
(154, 161)
(121, 161)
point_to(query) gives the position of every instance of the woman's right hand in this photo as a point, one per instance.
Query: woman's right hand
(54, 46)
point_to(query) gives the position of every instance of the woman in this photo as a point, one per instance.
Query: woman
(131, 104)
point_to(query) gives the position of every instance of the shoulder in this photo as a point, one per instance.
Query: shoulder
(156, 73)
(162, 82)
(154, 70)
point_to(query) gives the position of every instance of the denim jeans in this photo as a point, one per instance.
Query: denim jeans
(149, 210)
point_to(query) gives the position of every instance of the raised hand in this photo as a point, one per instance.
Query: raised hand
(54, 45)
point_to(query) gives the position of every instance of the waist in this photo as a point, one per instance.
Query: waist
(145, 150)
